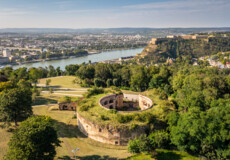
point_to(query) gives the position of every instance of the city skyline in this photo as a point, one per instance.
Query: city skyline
(114, 14)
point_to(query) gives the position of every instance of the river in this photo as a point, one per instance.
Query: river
(79, 60)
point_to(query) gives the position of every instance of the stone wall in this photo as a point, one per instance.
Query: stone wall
(111, 101)
(145, 102)
(71, 106)
(114, 101)
(108, 134)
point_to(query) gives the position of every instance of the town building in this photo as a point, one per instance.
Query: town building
(6, 53)
(4, 60)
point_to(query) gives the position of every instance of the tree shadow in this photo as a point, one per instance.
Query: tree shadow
(68, 130)
(65, 158)
(96, 157)
(47, 87)
(169, 155)
(42, 100)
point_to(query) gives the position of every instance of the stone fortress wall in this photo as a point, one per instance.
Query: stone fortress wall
(155, 41)
(114, 101)
(109, 134)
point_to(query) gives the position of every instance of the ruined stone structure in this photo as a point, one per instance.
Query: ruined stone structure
(108, 134)
(117, 102)
(116, 135)
(71, 106)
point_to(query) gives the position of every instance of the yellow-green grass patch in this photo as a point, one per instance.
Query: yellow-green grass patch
(60, 82)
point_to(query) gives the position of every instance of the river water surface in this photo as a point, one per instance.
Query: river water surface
(79, 60)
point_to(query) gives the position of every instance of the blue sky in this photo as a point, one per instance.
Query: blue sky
(114, 13)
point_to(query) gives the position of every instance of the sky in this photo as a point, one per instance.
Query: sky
(114, 13)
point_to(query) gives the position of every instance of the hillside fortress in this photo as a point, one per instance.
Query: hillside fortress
(122, 103)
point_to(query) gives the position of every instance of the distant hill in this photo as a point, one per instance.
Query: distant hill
(159, 49)
(114, 30)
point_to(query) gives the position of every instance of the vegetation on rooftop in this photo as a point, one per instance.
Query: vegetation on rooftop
(91, 110)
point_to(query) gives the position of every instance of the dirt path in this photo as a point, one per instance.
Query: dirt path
(63, 94)
(69, 149)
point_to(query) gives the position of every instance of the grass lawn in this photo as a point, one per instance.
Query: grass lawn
(62, 86)
(141, 157)
(4, 139)
(60, 82)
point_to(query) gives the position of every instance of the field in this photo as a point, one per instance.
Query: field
(62, 86)
(60, 82)
(4, 139)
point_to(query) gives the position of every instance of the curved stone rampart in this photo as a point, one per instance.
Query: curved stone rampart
(108, 134)
(114, 101)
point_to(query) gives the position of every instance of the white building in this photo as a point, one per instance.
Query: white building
(6, 53)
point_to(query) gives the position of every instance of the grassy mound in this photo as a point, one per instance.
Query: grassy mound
(91, 110)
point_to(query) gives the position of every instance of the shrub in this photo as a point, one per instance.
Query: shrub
(159, 139)
(86, 107)
(124, 118)
(104, 118)
(133, 146)
(144, 144)
(140, 144)
(74, 116)
(65, 99)
(133, 126)
(94, 91)
(125, 88)
(113, 111)
(109, 82)
(85, 85)
(115, 82)
(98, 82)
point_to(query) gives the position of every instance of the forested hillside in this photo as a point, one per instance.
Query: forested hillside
(174, 48)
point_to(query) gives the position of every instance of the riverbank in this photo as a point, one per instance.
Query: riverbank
(103, 56)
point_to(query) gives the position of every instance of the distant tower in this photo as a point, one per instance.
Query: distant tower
(6, 53)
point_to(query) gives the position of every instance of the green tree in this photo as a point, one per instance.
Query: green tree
(139, 79)
(34, 75)
(133, 146)
(48, 81)
(15, 104)
(98, 82)
(159, 139)
(86, 72)
(51, 90)
(35, 139)
(109, 82)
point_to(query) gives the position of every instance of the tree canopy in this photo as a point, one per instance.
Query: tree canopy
(35, 139)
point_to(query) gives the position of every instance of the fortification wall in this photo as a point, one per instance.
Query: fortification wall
(145, 102)
(108, 134)
(108, 102)
(114, 101)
